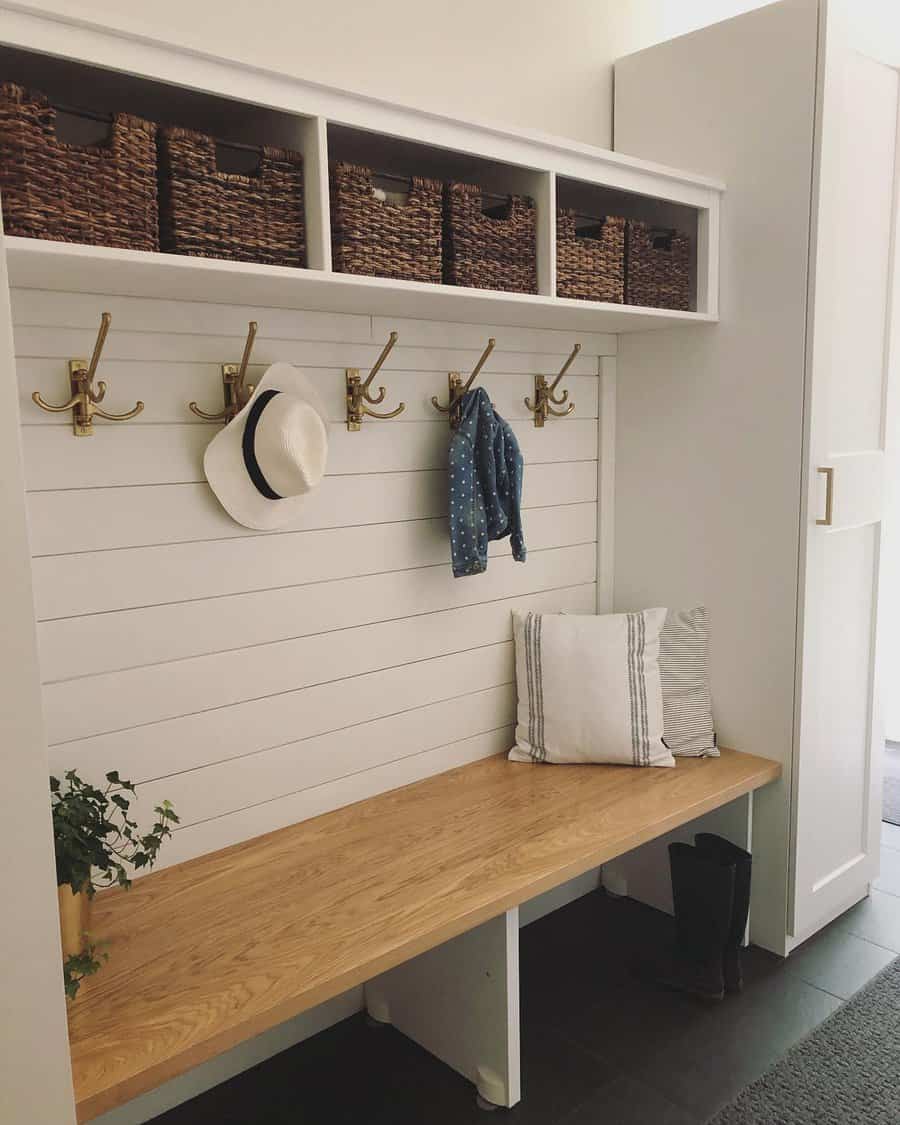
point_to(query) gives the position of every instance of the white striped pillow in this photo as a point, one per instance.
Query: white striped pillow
(589, 688)
(687, 706)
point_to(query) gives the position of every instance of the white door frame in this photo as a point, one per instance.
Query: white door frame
(887, 645)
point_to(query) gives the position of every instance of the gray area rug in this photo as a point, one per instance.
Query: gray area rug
(891, 801)
(846, 1072)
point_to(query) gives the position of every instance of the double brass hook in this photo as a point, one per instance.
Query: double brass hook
(358, 397)
(84, 399)
(237, 391)
(545, 397)
(456, 389)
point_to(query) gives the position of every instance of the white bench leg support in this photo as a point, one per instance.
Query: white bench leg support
(460, 1001)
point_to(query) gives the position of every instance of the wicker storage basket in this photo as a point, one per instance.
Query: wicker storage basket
(381, 239)
(103, 195)
(489, 251)
(658, 267)
(211, 214)
(590, 267)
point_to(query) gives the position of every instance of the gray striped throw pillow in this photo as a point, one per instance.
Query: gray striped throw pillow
(589, 688)
(688, 729)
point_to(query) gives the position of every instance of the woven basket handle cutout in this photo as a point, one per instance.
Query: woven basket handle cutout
(592, 232)
(498, 212)
(223, 153)
(411, 193)
(662, 240)
(85, 132)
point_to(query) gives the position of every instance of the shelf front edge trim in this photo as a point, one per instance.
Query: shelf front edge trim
(40, 264)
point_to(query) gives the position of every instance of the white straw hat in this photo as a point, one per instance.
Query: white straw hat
(265, 461)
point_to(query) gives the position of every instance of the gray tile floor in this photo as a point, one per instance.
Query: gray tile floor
(599, 1047)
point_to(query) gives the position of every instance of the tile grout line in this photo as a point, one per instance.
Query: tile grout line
(877, 944)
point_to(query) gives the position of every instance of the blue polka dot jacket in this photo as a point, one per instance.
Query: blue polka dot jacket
(485, 485)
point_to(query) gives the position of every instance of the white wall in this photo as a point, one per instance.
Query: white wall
(35, 1077)
(539, 66)
(258, 679)
(889, 593)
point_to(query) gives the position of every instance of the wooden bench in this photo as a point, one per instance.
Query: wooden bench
(214, 951)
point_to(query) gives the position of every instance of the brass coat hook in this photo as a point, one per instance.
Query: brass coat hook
(237, 392)
(84, 400)
(544, 394)
(456, 389)
(358, 397)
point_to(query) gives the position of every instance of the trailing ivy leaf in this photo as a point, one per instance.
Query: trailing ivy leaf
(81, 965)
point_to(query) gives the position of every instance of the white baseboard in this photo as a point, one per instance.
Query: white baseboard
(794, 940)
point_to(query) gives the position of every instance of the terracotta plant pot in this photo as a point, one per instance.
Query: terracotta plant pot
(74, 912)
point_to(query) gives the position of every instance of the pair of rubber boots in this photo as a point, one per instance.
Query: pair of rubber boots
(711, 893)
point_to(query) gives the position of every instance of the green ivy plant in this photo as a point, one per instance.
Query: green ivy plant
(95, 837)
(96, 842)
(81, 965)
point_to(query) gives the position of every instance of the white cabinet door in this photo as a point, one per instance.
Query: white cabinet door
(838, 759)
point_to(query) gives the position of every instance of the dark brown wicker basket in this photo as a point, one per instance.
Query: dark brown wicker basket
(494, 250)
(103, 195)
(380, 239)
(590, 266)
(211, 214)
(658, 267)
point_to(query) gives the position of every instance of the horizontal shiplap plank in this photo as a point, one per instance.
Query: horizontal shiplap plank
(98, 582)
(116, 454)
(221, 832)
(201, 794)
(44, 308)
(159, 348)
(249, 727)
(48, 308)
(73, 520)
(443, 334)
(166, 390)
(121, 455)
(109, 642)
(164, 702)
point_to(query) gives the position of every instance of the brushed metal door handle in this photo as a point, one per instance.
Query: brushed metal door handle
(828, 473)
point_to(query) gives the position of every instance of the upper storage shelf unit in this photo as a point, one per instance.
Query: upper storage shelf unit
(574, 188)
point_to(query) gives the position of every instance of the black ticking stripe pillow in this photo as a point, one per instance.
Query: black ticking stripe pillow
(688, 729)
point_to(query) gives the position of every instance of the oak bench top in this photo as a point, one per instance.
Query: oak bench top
(213, 951)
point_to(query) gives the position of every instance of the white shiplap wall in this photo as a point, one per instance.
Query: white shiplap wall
(258, 679)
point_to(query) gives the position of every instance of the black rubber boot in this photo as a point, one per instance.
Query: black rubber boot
(730, 855)
(703, 894)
